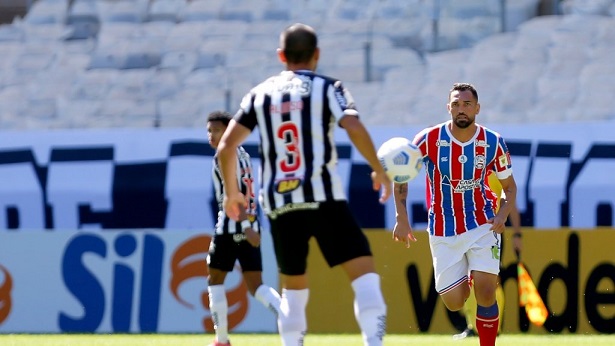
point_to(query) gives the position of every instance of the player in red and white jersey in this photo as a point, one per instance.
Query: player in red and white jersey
(456, 176)
(464, 227)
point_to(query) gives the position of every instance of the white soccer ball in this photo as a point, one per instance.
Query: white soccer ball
(402, 160)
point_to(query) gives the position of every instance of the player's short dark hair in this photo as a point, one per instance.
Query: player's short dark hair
(298, 42)
(222, 116)
(464, 87)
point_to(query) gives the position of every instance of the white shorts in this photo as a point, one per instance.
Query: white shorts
(455, 257)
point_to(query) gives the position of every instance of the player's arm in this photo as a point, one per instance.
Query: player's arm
(234, 201)
(361, 139)
(402, 231)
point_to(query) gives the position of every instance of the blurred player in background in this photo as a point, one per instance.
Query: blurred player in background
(464, 227)
(234, 240)
(302, 193)
(469, 308)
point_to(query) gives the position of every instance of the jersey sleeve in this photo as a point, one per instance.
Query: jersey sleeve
(341, 101)
(503, 165)
(246, 115)
(420, 140)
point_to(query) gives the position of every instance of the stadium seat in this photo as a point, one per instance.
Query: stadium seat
(47, 12)
(200, 11)
(586, 7)
(92, 84)
(165, 10)
(83, 20)
(180, 62)
(125, 11)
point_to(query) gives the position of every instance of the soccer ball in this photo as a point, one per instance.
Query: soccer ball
(401, 159)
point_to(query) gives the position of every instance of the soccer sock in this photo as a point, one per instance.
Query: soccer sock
(269, 297)
(369, 308)
(292, 322)
(219, 311)
(487, 321)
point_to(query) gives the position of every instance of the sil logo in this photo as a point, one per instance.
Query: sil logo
(188, 262)
(5, 294)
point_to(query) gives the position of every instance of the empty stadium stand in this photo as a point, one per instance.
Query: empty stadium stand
(145, 63)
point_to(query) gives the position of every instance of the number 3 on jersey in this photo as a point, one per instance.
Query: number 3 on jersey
(289, 133)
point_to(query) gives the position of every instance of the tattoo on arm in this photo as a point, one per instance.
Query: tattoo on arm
(403, 189)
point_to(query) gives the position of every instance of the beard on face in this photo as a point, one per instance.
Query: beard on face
(463, 123)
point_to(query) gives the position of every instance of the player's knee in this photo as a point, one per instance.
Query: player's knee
(454, 302)
(454, 306)
(216, 277)
(253, 282)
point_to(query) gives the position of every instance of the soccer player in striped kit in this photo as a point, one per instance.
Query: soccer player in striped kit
(234, 240)
(464, 227)
(302, 193)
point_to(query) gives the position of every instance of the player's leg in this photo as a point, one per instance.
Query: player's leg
(220, 261)
(290, 241)
(469, 313)
(218, 304)
(487, 310)
(349, 247)
(450, 270)
(484, 261)
(369, 306)
(268, 296)
(252, 266)
(292, 319)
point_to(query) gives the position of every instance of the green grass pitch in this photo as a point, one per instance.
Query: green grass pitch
(311, 339)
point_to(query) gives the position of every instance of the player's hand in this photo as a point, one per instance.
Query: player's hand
(403, 233)
(381, 181)
(498, 224)
(233, 204)
(252, 237)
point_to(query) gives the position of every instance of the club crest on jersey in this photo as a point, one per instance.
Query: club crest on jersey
(287, 185)
(479, 161)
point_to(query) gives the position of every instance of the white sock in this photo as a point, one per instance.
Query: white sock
(219, 311)
(292, 322)
(369, 308)
(269, 297)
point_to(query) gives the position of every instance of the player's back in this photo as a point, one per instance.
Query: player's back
(296, 113)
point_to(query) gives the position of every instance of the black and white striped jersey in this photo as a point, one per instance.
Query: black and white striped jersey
(225, 225)
(296, 113)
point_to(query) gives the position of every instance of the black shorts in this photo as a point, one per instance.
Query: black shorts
(224, 251)
(332, 225)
